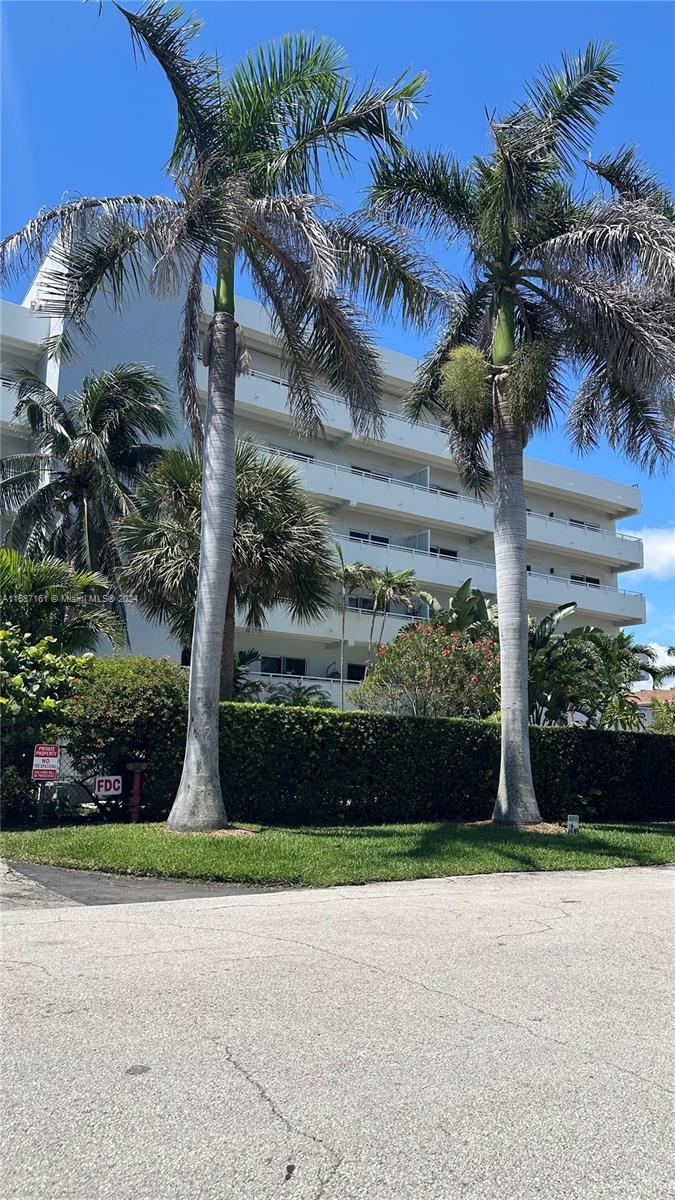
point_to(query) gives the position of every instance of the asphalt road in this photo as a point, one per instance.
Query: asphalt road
(506, 1036)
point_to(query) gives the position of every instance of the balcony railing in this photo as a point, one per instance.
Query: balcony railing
(470, 564)
(436, 490)
(396, 416)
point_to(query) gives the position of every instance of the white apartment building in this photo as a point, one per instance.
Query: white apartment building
(396, 502)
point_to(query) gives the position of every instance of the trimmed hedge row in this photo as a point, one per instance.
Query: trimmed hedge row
(291, 766)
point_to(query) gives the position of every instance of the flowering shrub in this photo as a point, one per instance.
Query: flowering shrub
(428, 671)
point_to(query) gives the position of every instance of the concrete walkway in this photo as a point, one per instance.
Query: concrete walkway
(499, 1037)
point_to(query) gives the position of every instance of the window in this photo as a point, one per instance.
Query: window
(298, 454)
(441, 491)
(295, 666)
(269, 665)
(442, 552)
(362, 602)
(590, 579)
(528, 569)
(355, 672)
(369, 474)
(375, 539)
(592, 526)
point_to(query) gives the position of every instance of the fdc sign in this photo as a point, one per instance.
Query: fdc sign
(108, 786)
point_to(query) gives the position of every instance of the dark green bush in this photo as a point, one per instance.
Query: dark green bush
(308, 767)
(131, 709)
(292, 766)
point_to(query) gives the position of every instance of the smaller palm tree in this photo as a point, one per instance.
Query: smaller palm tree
(301, 695)
(281, 550)
(51, 599)
(350, 577)
(391, 587)
(90, 450)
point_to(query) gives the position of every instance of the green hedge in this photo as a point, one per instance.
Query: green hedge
(291, 766)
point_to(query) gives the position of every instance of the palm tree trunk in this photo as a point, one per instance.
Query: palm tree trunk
(227, 656)
(342, 647)
(516, 801)
(384, 618)
(199, 802)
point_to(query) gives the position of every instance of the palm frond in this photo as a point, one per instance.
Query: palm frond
(289, 324)
(72, 221)
(618, 238)
(323, 126)
(158, 28)
(265, 88)
(425, 190)
(635, 423)
(346, 358)
(385, 266)
(288, 227)
(631, 330)
(568, 101)
(633, 179)
(187, 354)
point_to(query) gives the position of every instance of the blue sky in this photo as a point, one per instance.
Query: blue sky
(80, 115)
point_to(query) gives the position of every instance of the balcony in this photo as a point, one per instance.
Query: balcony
(329, 630)
(262, 394)
(593, 600)
(375, 492)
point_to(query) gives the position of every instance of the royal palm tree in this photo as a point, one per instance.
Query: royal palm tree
(249, 150)
(558, 278)
(89, 450)
(50, 598)
(281, 551)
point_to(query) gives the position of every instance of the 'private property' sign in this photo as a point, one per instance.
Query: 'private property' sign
(46, 762)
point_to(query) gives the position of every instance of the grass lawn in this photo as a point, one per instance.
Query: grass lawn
(317, 857)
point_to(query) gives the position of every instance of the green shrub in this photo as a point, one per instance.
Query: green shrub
(292, 766)
(130, 709)
(35, 683)
(307, 767)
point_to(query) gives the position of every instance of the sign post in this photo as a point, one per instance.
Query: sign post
(46, 759)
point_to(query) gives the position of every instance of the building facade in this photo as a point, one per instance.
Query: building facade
(397, 502)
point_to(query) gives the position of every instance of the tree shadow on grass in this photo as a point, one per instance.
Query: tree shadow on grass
(525, 848)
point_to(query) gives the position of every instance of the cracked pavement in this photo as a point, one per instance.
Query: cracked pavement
(505, 1036)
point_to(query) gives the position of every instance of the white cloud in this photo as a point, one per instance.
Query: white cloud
(659, 544)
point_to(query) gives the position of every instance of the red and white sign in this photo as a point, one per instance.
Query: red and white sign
(108, 786)
(46, 762)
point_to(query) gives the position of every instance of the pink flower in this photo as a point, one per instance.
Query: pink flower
(478, 645)
(490, 644)
(445, 651)
(474, 679)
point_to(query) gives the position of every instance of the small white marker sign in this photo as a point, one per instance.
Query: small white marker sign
(572, 823)
(108, 786)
